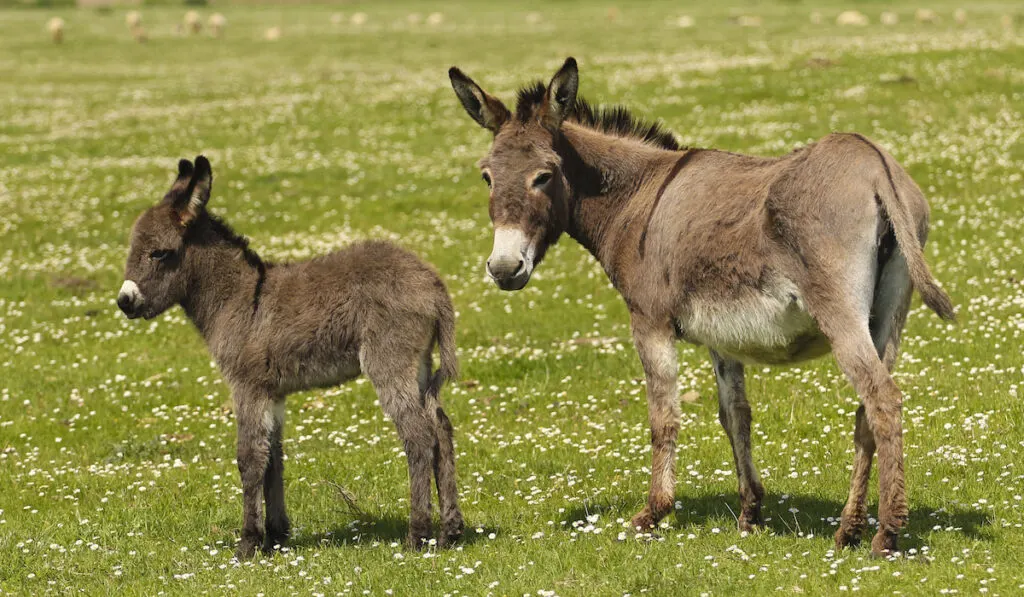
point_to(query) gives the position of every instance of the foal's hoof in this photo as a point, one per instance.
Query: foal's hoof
(419, 540)
(750, 521)
(246, 550)
(847, 537)
(883, 544)
(451, 533)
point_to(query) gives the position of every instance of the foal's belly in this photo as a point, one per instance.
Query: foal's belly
(316, 373)
(770, 326)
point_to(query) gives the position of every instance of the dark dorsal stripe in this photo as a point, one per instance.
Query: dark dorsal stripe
(261, 271)
(661, 191)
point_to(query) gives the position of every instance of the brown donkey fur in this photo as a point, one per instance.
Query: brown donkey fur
(762, 260)
(275, 329)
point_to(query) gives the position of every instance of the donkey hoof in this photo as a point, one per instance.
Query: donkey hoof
(643, 521)
(847, 537)
(451, 533)
(276, 537)
(883, 544)
(246, 549)
(419, 540)
(749, 526)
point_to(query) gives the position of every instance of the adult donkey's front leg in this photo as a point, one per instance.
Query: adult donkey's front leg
(734, 414)
(253, 411)
(656, 344)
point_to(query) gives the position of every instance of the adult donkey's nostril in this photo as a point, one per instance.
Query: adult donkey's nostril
(519, 268)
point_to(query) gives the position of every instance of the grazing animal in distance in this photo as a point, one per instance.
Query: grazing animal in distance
(762, 260)
(279, 328)
(56, 28)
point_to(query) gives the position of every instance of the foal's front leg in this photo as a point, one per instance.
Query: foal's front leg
(253, 410)
(656, 345)
(278, 527)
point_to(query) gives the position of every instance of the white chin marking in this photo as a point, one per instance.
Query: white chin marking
(131, 289)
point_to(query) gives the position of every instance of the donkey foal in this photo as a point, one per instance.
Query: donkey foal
(275, 329)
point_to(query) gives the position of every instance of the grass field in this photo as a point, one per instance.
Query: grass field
(116, 437)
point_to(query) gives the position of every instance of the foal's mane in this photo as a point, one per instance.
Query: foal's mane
(226, 233)
(614, 120)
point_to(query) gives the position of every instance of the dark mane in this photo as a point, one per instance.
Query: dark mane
(224, 231)
(614, 120)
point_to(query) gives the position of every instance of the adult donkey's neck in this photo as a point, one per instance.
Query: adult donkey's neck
(608, 175)
(224, 276)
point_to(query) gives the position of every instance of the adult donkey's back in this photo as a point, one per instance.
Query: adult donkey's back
(762, 260)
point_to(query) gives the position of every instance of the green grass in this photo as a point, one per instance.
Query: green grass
(116, 440)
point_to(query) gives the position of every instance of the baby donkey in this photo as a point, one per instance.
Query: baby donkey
(275, 329)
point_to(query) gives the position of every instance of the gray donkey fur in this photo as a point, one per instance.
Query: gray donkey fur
(762, 260)
(274, 329)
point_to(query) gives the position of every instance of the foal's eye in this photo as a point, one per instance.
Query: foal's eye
(487, 178)
(542, 179)
(161, 254)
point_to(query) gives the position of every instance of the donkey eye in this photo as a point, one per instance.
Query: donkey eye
(161, 254)
(542, 179)
(487, 178)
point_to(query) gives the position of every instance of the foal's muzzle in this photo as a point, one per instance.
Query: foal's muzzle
(129, 299)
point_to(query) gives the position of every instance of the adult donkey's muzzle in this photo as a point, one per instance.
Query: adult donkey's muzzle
(511, 261)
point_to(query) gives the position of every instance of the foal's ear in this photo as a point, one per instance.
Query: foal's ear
(192, 202)
(486, 110)
(560, 97)
(180, 184)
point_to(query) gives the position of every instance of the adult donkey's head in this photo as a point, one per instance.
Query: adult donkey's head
(529, 193)
(154, 276)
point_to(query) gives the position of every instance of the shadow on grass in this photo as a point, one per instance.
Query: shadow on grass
(798, 516)
(370, 529)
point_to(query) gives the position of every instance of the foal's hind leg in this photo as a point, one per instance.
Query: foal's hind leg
(400, 398)
(734, 414)
(888, 315)
(452, 523)
(656, 346)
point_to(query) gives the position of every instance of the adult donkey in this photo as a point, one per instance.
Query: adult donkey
(762, 260)
(278, 328)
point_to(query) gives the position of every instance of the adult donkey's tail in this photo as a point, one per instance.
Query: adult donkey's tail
(904, 227)
(445, 336)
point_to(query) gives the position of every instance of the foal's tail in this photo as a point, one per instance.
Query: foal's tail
(445, 336)
(903, 225)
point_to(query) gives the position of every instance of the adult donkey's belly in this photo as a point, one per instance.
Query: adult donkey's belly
(769, 326)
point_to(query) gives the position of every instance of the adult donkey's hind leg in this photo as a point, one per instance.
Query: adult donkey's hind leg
(888, 315)
(656, 346)
(847, 330)
(734, 414)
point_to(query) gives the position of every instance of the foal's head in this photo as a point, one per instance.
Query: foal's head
(528, 190)
(154, 278)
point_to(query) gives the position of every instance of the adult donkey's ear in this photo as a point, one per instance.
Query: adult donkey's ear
(192, 202)
(560, 97)
(486, 110)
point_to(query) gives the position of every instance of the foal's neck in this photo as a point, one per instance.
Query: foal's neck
(605, 173)
(223, 275)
